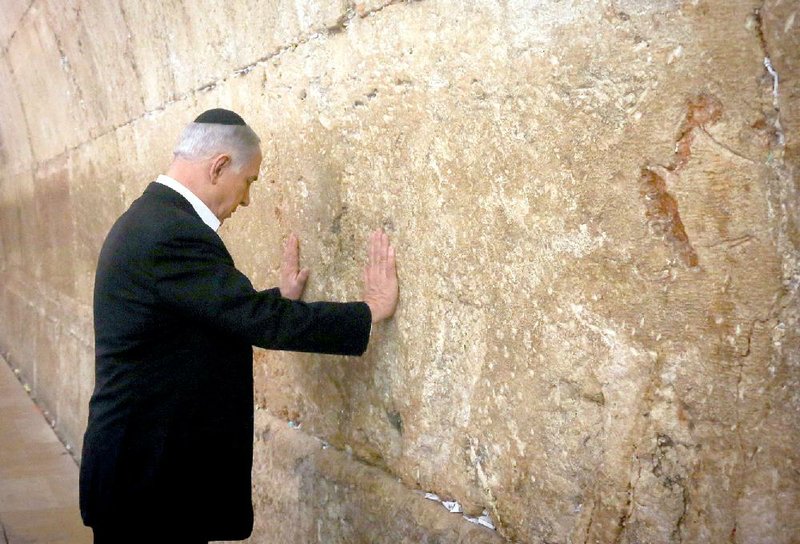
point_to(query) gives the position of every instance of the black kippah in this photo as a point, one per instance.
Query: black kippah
(219, 116)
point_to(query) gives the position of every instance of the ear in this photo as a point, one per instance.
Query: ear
(218, 164)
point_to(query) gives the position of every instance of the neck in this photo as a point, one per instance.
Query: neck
(193, 176)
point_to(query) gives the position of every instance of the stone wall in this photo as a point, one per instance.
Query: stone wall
(596, 211)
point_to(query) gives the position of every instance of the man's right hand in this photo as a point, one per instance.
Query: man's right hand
(380, 277)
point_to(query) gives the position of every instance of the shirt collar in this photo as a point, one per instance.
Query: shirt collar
(199, 206)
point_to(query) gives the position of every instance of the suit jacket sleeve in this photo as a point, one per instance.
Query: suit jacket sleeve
(196, 277)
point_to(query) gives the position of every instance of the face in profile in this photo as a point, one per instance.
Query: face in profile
(234, 186)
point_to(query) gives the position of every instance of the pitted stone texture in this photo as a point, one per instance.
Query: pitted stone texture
(318, 494)
(595, 207)
(575, 351)
(198, 43)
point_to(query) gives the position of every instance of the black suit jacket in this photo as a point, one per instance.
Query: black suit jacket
(170, 431)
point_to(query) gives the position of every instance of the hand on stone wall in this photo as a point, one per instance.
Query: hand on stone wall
(293, 279)
(380, 277)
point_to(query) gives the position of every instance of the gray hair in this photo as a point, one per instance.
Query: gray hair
(200, 141)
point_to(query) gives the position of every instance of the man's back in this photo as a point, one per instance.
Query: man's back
(163, 380)
(171, 418)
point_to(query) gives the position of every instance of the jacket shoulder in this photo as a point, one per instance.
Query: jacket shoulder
(154, 219)
(158, 214)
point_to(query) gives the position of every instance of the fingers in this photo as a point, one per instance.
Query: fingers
(380, 276)
(374, 248)
(391, 264)
(291, 252)
(384, 250)
(381, 257)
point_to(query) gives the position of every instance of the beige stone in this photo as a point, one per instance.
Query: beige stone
(319, 494)
(50, 102)
(10, 17)
(595, 207)
(94, 40)
(15, 151)
(96, 189)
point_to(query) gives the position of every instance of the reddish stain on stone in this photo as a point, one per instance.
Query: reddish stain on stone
(701, 111)
(661, 207)
(662, 213)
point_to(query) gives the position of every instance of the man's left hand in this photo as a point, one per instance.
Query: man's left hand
(292, 277)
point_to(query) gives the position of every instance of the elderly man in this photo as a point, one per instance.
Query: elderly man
(168, 448)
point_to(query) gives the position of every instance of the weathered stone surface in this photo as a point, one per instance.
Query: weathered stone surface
(97, 62)
(10, 16)
(315, 493)
(54, 114)
(596, 212)
(15, 151)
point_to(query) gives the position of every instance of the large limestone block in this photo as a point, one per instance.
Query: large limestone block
(179, 47)
(96, 188)
(9, 225)
(31, 230)
(94, 43)
(12, 13)
(596, 213)
(46, 88)
(15, 151)
(21, 322)
(318, 494)
(589, 225)
(55, 219)
(70, 408)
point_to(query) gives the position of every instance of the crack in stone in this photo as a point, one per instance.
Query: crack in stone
(647, 401)
(626, 515)
(65, 65)
(128, 48)
(367, 13)
(732, 242)
(19, 23)
(476, 458)
(308, 38)
(358, 9)
(759, 27)
(15, 84)
(591, 520)
(676, 533)
(724, 147)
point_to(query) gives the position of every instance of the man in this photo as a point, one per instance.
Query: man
(167, 452)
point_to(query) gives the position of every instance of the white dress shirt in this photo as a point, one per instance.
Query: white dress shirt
(199, 206)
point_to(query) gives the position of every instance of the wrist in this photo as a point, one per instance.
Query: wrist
(373, 310)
